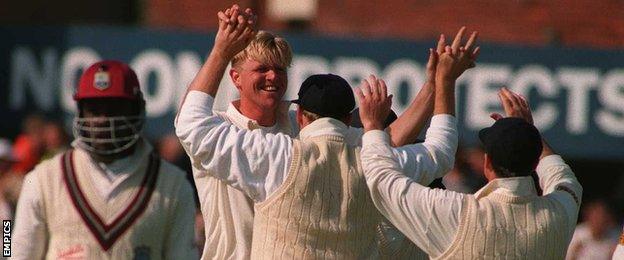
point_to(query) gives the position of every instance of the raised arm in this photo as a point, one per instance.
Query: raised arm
(414, 209)
(433, 158)
(424, 162)
(555, 177)
(409, 124)
(403, 201)
(236, 30)
(246, 160)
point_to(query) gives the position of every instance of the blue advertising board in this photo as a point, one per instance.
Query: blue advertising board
(577, 94)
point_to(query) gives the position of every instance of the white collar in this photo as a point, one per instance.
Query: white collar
(324, 126)
(123, 166)
(514, 186)
(240, 120)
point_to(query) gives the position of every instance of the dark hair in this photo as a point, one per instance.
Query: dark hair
(503, 172)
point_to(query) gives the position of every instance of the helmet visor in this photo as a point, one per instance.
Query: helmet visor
(108, 135)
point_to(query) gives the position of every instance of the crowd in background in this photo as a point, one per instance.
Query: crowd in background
(40, 138)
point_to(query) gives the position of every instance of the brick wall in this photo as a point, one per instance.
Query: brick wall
(597, 23)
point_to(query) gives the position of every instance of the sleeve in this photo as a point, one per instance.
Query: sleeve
(30, 237)
(431, 159)
(181, 239)
(251, 161)
(558, 182)
(428, 217)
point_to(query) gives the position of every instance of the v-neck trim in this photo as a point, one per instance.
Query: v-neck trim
(107, 233)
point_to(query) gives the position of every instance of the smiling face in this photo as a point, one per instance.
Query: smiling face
(259, 73)
(262, 86)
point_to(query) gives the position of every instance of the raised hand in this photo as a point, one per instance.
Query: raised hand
(456, 58)
(514, 105)
(236, 29)
(430, 70)
(375, 103)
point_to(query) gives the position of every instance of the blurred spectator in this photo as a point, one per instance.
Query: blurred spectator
(597, 237)
(200, 234)
(170, 149)
(55, 139)
(467, 175)
(6, 161)
(29, 145)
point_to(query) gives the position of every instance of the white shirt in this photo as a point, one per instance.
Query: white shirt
(30, 220)
(588, 247)
(115, 172)
(228, 213)
(31, 196)
(430, 217)
(619, 250)
(257, 162)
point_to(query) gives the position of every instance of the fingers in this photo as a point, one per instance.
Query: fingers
(359, 94)
(233, 17)
(374, 86)
(431, 65)
(458, 39)
(496, 116)
(512, 97)
(448, 50)
(475, 53)
(223, 17)
(507, 105)
(251, 17)
(471, 41)
(365, 86)
(523, 106)
(223, 20)
(515, 105)
(523, 101)
(441, 44)
(383, 89)
(240, 26)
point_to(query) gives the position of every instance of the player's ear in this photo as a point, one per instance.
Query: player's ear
(299, 116)
(488, 169)
(235, 76)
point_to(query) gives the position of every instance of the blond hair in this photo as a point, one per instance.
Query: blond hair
(266, 48)
(311, 116)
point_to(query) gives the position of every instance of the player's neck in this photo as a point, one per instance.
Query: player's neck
(264, 117)
(109, 158)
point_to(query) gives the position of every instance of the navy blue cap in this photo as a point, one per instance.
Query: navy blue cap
(326, 95)
(513, 144)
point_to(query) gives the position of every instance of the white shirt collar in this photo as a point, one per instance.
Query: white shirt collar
(242, 121)
(124, 166)
(514, 186)
(324, 126)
